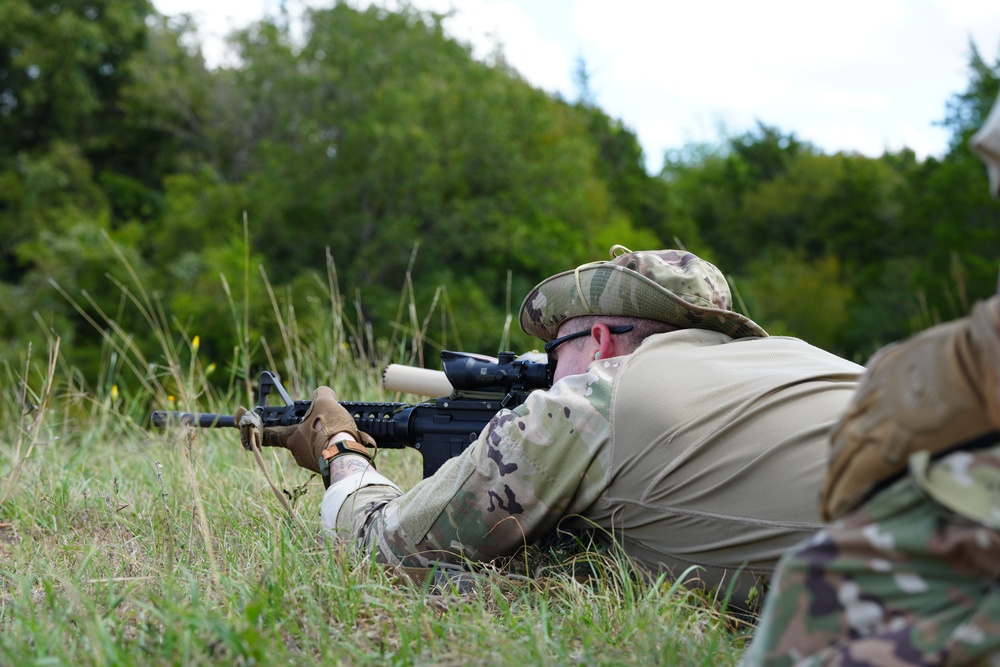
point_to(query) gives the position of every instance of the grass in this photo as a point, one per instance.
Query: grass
(120, 545)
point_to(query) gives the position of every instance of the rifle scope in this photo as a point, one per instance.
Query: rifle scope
(472, 372)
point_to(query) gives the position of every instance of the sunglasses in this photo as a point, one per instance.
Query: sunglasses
(553, 344)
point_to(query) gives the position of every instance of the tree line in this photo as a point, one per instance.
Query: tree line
(375, 163)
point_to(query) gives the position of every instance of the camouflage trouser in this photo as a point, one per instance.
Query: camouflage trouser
(901, 581)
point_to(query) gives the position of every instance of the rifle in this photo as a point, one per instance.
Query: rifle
(439, 429)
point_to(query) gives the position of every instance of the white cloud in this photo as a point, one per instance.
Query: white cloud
(484, 25)
(861, 76)
(966, 12)
(858, 100)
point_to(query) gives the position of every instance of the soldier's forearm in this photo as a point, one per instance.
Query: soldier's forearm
(348, 464)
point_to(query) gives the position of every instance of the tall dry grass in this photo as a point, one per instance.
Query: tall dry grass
(121, 545)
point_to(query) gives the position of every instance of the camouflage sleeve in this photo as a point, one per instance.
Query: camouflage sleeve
(899, 581)
(529, 468)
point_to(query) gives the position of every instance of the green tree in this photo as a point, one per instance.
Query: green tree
(62, 65)
(710, 184)
(950, 211)
(381, 135)
(794, 296)
(642, 198)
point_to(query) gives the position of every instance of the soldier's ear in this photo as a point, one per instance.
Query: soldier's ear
(605, 342)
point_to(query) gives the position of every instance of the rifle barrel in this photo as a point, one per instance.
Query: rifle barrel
(163, 418)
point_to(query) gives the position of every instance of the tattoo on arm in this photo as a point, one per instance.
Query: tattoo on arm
(348, 464)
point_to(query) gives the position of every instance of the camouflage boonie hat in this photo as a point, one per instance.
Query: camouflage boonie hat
(671, 286)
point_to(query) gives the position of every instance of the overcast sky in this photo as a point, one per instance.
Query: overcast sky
(855, 75)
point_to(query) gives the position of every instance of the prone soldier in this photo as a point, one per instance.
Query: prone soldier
(677, 427)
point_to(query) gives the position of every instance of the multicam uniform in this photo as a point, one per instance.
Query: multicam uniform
(696, 449)
(909, 579)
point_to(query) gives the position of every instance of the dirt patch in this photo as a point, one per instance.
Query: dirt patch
(8, 538)
(7, 533)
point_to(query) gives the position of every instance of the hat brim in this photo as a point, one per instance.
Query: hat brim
(609, 289)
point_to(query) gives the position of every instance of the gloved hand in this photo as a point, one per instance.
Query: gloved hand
(930, 392)
(307, 440)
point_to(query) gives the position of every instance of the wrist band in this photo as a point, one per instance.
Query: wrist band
(338, 449)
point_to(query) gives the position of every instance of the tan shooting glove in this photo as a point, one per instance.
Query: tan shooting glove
(307, 441)
(930, 392)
